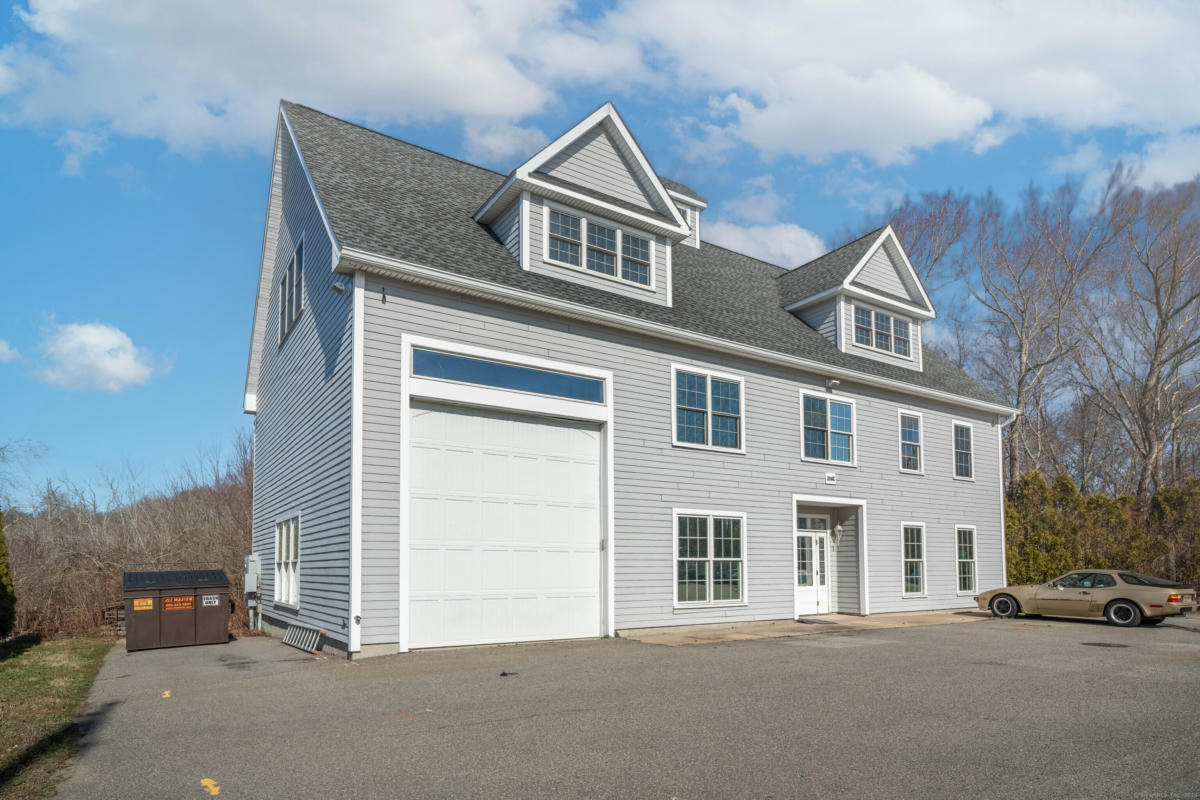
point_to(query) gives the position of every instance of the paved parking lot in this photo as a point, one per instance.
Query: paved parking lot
(1001, 708)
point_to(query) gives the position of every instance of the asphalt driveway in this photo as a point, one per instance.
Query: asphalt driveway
(1003, 708)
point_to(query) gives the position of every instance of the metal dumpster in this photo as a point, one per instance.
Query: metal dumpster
(176, 608)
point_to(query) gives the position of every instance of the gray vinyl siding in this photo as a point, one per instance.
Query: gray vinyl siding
(508, 228)
(538, 220)
(651, 477)
(822, 318)
(879, 273)
(302, 429)
(845, 572)
(917, 360)
(596, 161)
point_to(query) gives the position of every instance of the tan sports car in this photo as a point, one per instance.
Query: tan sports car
(1123, 598)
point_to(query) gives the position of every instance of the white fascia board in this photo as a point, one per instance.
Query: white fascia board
(606, 112)
(418, 273)
(546, 189)
(881, 300)
(887, 234)
(249, 400)
(691, 201)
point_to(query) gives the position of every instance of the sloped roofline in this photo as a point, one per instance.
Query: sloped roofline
(846, 285)
(605, 113)
(266, 264)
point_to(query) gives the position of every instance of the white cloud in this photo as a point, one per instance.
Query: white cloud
(79, 145)
(501, 143)
(758, 203)
(1168, 161)
(8, 353)
(806, 78)
(94, 356)
(1084, 159)
(779, 243)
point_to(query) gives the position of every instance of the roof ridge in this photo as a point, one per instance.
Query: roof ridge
(395, 138)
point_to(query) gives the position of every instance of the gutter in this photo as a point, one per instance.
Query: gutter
(425, 276)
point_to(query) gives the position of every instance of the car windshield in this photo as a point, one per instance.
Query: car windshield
(1137, 579)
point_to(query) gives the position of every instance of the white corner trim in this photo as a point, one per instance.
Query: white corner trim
(524, 243)
(356, 464)
(419, 273)
(670, 290)
(1003, 522)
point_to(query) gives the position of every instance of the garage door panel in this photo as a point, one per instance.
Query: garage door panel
(505, 528)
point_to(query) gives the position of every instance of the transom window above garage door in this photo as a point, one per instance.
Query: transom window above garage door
(484, 372)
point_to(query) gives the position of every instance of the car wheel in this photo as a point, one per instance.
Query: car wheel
(1123, 613)
(1154, 620)
(1004, 606)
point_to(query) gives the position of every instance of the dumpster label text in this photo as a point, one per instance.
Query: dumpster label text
(143, 604)
(210, 599)
(179, 603)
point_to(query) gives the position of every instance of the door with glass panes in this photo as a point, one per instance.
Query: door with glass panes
(811, 583)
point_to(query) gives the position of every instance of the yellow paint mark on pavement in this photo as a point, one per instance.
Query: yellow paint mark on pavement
(166, 694)
(210, 786)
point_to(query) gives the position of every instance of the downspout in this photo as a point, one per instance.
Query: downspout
(1001, 424)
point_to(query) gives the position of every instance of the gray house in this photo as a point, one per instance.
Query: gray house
(495, 408)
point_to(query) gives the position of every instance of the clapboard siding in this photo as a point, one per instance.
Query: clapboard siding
(822, 318)
(508, 228)
(880, 273)
(539, 219)
(651, 477)
(595, 160)
(691, 215)
(917, 360)
(302, 428)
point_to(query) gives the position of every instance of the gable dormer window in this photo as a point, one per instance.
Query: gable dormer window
(606, 245)
(882, 331)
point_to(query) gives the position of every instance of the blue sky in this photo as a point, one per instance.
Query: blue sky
(136, 142)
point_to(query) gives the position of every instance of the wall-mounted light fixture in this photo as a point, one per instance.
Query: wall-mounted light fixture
(835, 535)
(339, 288)
(832, 383)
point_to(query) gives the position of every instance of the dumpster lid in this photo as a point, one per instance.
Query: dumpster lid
(174, 578)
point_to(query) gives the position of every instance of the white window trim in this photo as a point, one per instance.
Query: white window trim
(286, 330)
(710, 374)
(912, 324)
(853, 463)
(905, 412)
(924, 561)
(296, 515)
(974, 560)
(954, 451)
(676, 513)
(622, 230)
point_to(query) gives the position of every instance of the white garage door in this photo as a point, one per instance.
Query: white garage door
(505, 528)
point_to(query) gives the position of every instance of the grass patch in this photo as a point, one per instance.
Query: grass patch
(43, 688)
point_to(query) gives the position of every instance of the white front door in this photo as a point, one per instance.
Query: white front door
(505, 527)
(811, 583)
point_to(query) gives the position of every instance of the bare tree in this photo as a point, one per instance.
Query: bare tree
(1141, 323)
(1026, 269)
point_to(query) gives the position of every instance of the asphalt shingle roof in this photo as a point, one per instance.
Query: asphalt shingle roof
(676, 186)
(395, 199)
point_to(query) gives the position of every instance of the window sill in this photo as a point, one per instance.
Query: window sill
(827, 463)
(966, 594)
(964, 480)
(614, 278)
(688, 606)
(911, 472)
(740, 451)
(914, 596)
(282, 606)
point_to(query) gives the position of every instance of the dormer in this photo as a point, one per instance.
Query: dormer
(865, 298)
(690, 205)
(589, 209)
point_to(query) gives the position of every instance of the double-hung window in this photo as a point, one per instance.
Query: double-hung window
(910, 441)
(287, 561)
(828, 429)
(964, 459)
(882, 331)
(914, 558)
(965, 539)
(709, 558)
(604, 249)
(708, 409)
(291, 293)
